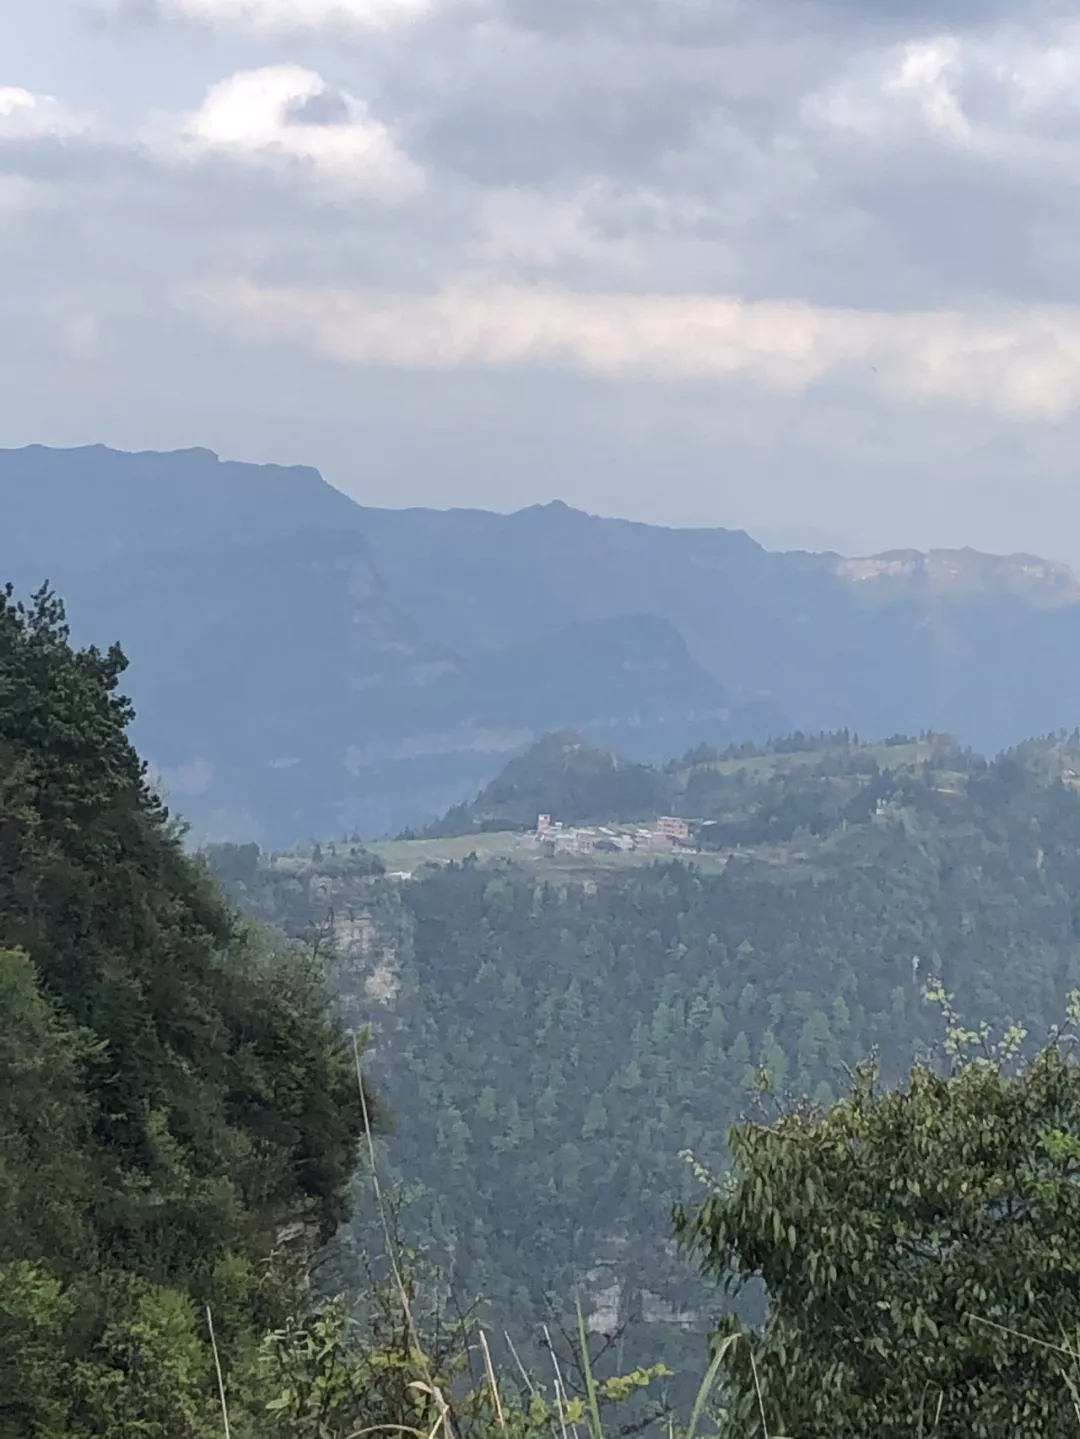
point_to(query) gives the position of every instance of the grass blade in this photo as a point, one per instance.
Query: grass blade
(706, 1386)
(595, 1427)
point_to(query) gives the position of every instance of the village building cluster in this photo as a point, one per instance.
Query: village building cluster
(666, 834)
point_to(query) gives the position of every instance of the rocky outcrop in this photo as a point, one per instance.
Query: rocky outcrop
(1041, 583)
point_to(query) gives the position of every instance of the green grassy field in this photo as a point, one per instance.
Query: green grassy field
(896, 756)
(410, 854)
(407, 856)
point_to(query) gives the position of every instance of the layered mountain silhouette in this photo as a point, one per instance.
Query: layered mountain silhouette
(303, 665)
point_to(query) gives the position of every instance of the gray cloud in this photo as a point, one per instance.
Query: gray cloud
(904, 15)
(796, 168)
(706, 195)
(327, 107)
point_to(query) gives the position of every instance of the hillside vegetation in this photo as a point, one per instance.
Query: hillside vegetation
(179, 1113)
(177, 1108)
(743, 794)
(564, 775)
(570, 1036)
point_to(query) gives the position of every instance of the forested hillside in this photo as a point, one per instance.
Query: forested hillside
(178, 1110)
(562, 774)
(554, 1035)
(564, 1041)
(743, 795)
(179, 1125)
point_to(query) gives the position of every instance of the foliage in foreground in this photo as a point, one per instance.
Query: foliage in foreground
(174, 1097)
(920, 1250)
(336, 1375)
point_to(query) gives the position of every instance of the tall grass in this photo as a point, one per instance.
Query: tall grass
(397, 1378)
(400, 1377)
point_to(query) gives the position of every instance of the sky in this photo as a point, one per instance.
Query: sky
(808, 269)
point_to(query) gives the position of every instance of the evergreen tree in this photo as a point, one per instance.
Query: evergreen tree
(173, 1090)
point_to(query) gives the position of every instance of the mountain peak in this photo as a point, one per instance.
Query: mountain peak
(552, 509)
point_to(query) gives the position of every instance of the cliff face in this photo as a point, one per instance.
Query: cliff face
(1040, 583)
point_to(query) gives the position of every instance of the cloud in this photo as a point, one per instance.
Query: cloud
(29, 121)
(1022, 364)
(78, 331)
(910, 89)
(287, 117)
(799, 223)
(599, 235)
(27, 116)
(20, 196)
(1005, 95)
(279, 17)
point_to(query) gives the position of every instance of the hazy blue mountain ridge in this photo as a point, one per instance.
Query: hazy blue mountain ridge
(304, 665)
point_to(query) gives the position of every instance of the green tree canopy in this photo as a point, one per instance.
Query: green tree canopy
(174, 1094)
(919, 1250)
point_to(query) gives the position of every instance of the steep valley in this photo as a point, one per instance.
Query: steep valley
(562, 1039)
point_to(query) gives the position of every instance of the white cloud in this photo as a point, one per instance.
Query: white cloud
(924, 80)
(1022, 364)
(1005, 95)
(24, 116)
(277, 17)
(286, 116)
(27, 116)
(551, 231)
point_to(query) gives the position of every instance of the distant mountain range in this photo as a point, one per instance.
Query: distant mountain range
(304, 665)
